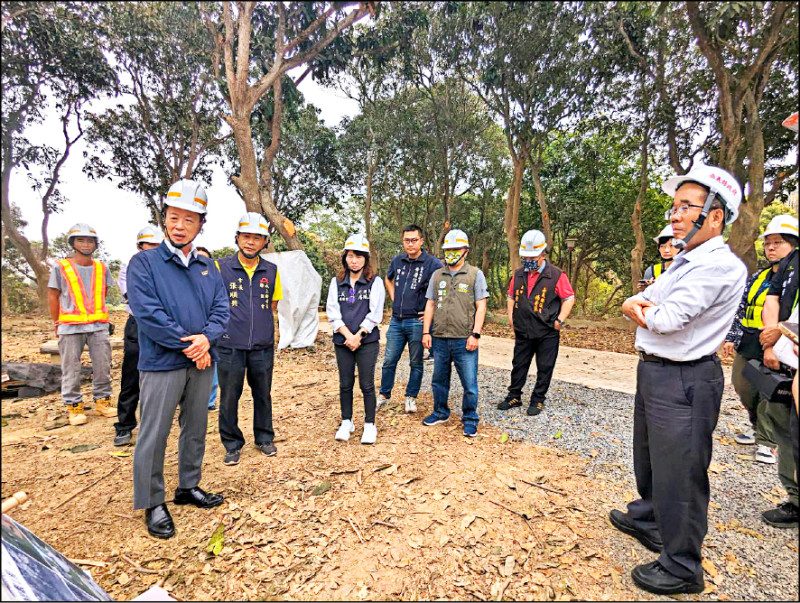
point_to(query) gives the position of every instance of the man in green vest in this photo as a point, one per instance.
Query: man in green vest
(451, 326)
(780, 238)
(667, 251)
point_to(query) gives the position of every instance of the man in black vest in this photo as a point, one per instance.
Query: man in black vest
(540, 299)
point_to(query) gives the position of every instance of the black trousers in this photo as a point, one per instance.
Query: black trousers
(675, 412)
(231, 368)
(546, 351)
(365, 357)
(129, 382)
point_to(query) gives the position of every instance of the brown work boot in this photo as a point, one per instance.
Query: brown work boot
(76, 416)
(103, 407)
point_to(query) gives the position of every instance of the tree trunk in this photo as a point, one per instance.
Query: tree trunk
(511, 220)
(368, 200)
(637, 253)
(23, 245)
(744, 231)
(547, 229)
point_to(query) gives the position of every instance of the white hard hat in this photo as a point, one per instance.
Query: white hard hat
(81, 230)
(715, 178)
(357, 242)
(455, 239)
(533, 244)
(149, 234)
(665, 233)
(253, 223)
(782, 224)
(187, 194)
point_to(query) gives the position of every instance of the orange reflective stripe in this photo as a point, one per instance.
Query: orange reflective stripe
(80, 313)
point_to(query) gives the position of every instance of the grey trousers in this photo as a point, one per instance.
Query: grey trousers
(159, 395)
(70, 347)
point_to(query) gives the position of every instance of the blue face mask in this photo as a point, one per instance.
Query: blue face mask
(530, 265)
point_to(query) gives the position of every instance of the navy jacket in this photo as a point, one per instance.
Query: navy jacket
(251, 326)
(171, 301)
(410, 278)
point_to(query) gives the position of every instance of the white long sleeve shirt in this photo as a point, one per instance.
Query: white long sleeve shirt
(696, 301)
(377, 297)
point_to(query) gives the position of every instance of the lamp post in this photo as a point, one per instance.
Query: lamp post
(570, 248)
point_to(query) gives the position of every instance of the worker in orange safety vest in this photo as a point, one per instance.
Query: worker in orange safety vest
(77, 304)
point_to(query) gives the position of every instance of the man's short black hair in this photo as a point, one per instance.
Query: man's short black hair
(203, 249)
(412, 228)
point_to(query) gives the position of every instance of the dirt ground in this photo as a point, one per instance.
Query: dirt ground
(423, 514)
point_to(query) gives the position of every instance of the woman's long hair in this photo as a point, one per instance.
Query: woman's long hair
(369, 273)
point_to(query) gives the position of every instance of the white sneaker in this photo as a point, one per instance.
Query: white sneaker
(411, 404)
(382, 401)
(747, 437)
(370, 434)
(765, 454)
(344, 431)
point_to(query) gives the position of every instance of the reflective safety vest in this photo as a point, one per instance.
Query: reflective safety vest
(658, 270)
(756, 296)
(86, 309)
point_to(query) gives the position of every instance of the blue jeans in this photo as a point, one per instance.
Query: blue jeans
(445, 351)
(212, 399)
(402, 330)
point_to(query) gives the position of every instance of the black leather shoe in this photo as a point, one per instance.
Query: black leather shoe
(159, 522)
(624, 523)
(654, 578)
(197, 497)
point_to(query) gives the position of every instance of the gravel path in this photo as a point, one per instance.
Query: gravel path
(754, 561)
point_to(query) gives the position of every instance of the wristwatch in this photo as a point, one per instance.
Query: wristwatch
(364, 334)
(476, 335)
(559, 321)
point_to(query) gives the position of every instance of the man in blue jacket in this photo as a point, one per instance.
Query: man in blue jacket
(253, 287)
(407, 281)
(181, 309)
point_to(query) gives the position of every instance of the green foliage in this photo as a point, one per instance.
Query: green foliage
(168, 126)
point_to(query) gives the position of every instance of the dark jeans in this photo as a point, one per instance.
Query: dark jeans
(675, 412)
(402, 330)
(231, 367)
(128, 398)
(365, 357)
(546, 351)
(448, 352)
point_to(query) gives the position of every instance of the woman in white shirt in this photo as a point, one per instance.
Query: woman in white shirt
(355, 309)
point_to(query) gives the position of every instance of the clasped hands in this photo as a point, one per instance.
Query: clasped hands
(634, 309)
(198, 350)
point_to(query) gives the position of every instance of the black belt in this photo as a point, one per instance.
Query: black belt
(650, 358)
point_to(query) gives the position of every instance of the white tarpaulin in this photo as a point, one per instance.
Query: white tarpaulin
(298, 316)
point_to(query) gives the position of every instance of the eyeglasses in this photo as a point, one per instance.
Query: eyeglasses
(774, 243)
(680, 210)
(352, 297)
(411, 240)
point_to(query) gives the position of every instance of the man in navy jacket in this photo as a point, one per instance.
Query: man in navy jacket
(253, 287)
(181, 309)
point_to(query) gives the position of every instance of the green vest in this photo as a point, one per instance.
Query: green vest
(756, 296)
(454, 302)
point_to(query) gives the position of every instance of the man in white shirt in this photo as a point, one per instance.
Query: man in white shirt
(683, 319)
